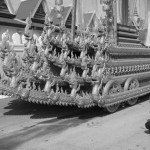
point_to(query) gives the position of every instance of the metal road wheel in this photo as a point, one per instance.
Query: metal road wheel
(114, 88)
(132, 102)
(113, 108)
(134, 83)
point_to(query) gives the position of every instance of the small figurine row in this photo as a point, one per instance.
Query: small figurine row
(18, 39)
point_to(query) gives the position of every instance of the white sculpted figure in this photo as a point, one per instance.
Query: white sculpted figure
(16, 38)
(6, 36)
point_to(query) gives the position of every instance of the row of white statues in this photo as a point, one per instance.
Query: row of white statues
(17, 39)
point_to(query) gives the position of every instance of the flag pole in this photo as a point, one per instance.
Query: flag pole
(73, 19)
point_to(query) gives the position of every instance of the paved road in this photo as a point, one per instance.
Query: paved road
(26, 126)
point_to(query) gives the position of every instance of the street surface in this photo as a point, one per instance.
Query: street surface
(27, 126)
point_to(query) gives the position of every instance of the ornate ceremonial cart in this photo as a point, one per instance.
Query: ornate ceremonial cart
(106, 68)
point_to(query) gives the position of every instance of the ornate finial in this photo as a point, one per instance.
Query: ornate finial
(59, 10)
(62, 24)
(58, 2)
(28, 20)
(28, 26)
(48, 19)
